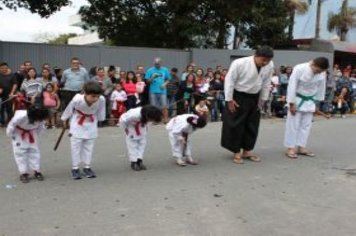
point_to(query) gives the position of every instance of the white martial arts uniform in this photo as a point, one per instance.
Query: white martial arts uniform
(304, 89)
(176, 127)
(135, 133)
(83, 127)
(24, 141)
(117, 96)
(244, 77)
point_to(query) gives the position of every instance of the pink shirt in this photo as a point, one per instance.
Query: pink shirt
(49, 100)
(130, 88)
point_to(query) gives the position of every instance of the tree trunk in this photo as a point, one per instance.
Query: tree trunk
(291, 25)
(317, 26)
(220, 41)
(343, 34)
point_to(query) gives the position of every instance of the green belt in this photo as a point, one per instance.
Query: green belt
(305, 99)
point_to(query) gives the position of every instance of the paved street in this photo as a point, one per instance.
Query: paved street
(279, 196)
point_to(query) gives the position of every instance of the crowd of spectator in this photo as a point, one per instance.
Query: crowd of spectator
(191, 91)
(194, 90)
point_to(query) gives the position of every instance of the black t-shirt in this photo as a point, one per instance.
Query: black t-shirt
(6, 83)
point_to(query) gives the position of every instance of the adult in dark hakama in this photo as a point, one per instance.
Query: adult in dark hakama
(247, 84)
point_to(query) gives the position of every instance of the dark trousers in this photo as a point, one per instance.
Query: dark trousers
(6, 112)
(66, 97)
(131, 102)
(240, 129)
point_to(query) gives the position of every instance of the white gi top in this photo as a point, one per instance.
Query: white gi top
(131, 122)
(117, 96)
(244, 77)
(305, 88)
(179, 124)
(21, 131)
(84, 118)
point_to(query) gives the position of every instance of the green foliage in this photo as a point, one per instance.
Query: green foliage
(266, 24)
(62, 38)
(342, 21)
(42, 7)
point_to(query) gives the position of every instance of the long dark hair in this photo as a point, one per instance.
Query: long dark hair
(134, 79)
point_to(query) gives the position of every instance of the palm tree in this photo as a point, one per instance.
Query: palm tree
(343, 21)
(295, 6)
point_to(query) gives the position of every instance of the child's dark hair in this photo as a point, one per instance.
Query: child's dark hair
(197, 122)
(37, 113)
(112, 68)
(92, 87)
(150, 113)
(49, 85)
(321, 62)
(264, 51)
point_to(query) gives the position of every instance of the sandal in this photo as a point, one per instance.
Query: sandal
(307, 153)
(238, 160)
(181, 163)
(252, 158)
(291, 155)
(190, 161)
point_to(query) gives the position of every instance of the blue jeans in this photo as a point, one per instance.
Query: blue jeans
(171, 107)
(158, 100)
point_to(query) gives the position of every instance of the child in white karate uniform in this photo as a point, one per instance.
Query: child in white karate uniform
(24, 128)
(84, 112)
(179, 128)
(135, 123)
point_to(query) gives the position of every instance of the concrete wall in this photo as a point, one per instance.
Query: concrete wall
(128, 57)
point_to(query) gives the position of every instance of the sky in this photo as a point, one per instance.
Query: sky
(305, 24)
(23, 26)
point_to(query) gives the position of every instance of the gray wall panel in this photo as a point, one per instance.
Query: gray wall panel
(128, 58)
(214, 57)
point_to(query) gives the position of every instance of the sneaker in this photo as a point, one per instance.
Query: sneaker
(38, 176)
(25, 178)
(76, 174)
(135, 166)
(89, 173)
(141, 165)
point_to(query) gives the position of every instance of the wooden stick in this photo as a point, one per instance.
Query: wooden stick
(59, 139)
(320, 113)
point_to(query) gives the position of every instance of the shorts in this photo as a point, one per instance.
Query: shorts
(158, 100)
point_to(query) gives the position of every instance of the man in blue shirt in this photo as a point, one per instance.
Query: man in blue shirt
(72, 81)
(158, 78)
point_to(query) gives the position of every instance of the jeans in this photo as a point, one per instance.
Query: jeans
(171, 107)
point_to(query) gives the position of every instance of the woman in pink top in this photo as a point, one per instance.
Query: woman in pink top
(52, 103)
(131, 90)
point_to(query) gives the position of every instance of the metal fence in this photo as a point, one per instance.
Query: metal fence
(128, 58)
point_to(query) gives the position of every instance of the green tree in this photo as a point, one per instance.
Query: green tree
(266, 24)
(62, 38)
(343, 21)
(42, 7)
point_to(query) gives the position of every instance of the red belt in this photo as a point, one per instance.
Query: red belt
(137, 128)
(83, 116)
(26, 132)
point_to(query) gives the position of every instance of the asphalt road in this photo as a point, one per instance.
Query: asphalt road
(279, 196)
